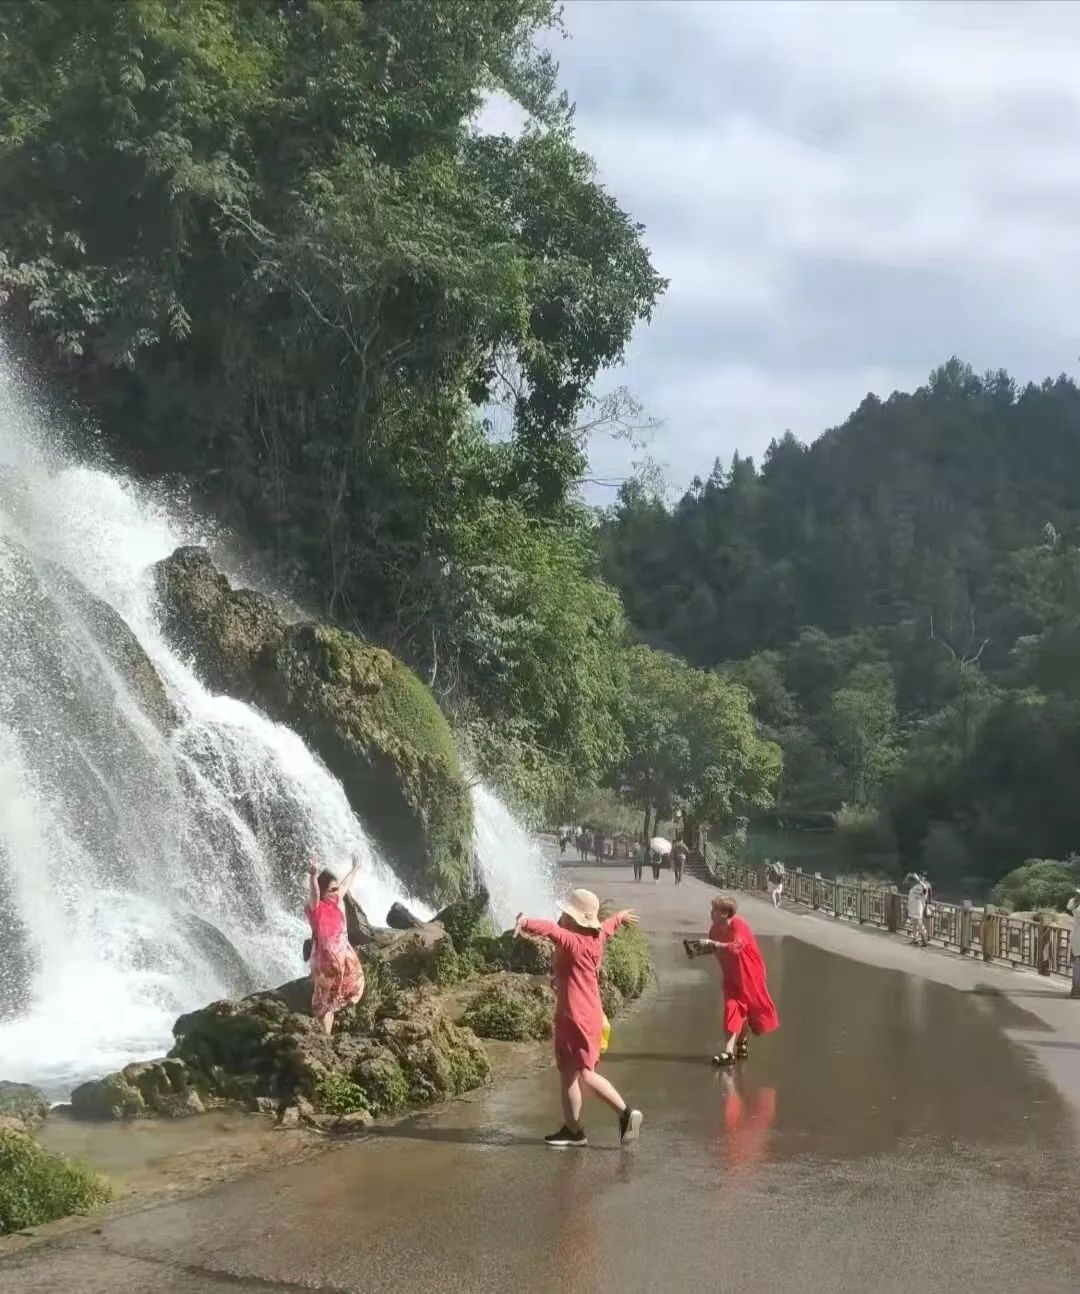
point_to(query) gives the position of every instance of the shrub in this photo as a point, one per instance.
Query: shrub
(628, 962)
(37, 1186)
(1042, 883)
(338, 1094)
(512, 1012)
(383, 1086)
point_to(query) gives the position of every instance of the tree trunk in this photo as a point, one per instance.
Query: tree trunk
(648, 820)
(691, 832)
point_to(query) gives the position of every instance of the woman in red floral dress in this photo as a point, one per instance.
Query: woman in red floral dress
(336, 974)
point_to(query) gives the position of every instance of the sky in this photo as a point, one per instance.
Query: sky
(843, 195)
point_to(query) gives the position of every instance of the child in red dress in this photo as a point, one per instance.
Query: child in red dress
(748, 1008)
(579, 937)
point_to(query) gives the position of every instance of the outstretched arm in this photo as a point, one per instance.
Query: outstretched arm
(544, 929)
(626, 917)
(313, 883)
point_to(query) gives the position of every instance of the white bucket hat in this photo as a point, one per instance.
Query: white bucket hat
(584, 907)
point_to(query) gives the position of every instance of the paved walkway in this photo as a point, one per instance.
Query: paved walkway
(889, 1136)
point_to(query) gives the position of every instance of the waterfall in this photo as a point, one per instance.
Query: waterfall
(141, 874)
(512, 863)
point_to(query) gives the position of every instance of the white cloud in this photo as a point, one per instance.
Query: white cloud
(842, 194)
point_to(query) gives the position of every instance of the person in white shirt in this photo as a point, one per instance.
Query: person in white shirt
(917, 899)
(774, 882)
(1073, 906)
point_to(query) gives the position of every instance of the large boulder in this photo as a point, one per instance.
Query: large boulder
(22, 1107)
(150, 1087)
(370, 719)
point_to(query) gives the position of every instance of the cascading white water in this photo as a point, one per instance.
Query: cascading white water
(517, 875)
(141, 874)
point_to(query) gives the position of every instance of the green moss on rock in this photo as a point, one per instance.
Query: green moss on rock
(512, 1009)
(370, 718)
(22, 1107)
(37, 1186)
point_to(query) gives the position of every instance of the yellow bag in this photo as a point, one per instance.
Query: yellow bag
(605, 1034)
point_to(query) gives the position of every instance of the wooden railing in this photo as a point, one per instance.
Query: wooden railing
(978, 932)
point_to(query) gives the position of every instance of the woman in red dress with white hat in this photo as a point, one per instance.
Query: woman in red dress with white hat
(579, 937)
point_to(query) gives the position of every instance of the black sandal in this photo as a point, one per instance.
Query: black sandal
(723, 1058)
(742, 1051)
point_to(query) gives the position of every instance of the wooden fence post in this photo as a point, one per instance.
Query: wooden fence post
(990, 937)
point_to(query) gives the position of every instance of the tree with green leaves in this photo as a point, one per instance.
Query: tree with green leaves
(692, 744)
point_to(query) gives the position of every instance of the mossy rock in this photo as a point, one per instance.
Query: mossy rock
(22, 1107)
(466, 920)
(37, 1186)
(152, 1087)
(522, 954)
(370, 718)
(512, 1008)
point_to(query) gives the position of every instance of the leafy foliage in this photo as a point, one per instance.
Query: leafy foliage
(691, 741)
(38, 1186)
(507, 1011)
(267, 249)
(1040, 884)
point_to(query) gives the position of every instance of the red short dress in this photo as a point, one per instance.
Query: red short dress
(579, 1016)
(746, 989)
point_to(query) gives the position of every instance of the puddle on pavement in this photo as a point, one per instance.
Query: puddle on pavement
(866, 1061)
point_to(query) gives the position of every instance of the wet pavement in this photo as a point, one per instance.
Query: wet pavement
(890, 1136)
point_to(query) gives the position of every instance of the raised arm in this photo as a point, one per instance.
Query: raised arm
(345, 884)
(625, 917)
(543, 929)
(313, 884)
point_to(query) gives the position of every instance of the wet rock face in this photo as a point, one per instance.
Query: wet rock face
(370, 719)
(151, 1087)
(264, 1048)
(22, 1107)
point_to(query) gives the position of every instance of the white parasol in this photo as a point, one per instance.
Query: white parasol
(659, 845)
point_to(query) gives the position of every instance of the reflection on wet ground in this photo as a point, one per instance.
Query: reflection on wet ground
(887, 1137)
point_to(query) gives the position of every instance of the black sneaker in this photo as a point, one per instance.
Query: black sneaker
(564, 1137)
(629, 1125)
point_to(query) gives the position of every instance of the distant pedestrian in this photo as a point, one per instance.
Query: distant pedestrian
(748, 1007)
(917, 902)
(655, 858)
(679, 854)
(579, 937)
(598, 846)
(774, 882)
(584, 840)
(1073, 906)
(638, 859)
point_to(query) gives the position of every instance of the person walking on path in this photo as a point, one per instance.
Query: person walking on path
(638, 859)
(579, 937)
(748, 1007)
(917, 902)
(337, 977)
(1073, 906)
(774, 882)
(679, 853)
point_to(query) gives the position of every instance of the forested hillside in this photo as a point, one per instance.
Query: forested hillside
(903, 599)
